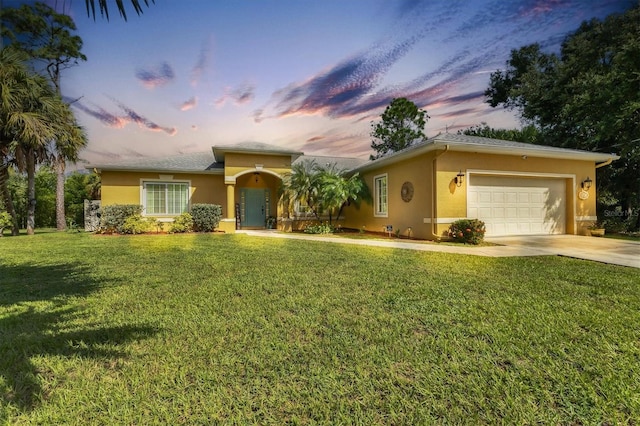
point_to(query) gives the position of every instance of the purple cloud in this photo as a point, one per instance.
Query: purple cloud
(189, 104)
(145, 123)
(119, 121)
(240, 95)
(156, 77)
(201, 65)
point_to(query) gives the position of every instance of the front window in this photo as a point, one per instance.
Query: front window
(380, 196)
(165, 198)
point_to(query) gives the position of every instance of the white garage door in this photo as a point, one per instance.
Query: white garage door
(516, 205)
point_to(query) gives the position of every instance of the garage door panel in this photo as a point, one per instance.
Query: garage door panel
(516, 205)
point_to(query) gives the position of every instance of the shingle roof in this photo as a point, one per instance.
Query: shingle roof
(487, 145)
(342, 163)
(195, 162)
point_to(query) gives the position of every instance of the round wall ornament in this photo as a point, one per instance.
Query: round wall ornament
(583, 195)
(407, 191)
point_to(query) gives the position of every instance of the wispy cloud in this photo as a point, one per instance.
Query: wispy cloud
(240, 95)
(144, 122)
(158, 76)
(189, 104)
(119, 121)
(204, 57)
(338, 90)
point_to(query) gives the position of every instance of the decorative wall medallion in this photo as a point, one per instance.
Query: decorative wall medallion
(583, 195)
(407, 191)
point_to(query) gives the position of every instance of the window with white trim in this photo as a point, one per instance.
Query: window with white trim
(165, 198)
(380, 198)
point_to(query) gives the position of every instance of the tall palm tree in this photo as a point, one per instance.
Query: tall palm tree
(32, 115)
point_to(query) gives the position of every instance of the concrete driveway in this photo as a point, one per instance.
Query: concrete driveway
(606, 250)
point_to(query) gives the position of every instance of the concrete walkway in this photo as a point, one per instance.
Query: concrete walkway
(606, 250)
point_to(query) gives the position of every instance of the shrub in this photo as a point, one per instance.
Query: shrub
(182, 223)
(5, 221)
(323, 228)
(206, 217)
(468, 231)
(114, 216)
(137, 224)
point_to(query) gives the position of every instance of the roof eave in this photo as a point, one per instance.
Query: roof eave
(99, 169)
(500, 150)
(219, 152)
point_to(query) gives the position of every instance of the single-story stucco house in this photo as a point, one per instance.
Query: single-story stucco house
(515, 188)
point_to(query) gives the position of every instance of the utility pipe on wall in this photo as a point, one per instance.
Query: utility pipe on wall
(434, 224)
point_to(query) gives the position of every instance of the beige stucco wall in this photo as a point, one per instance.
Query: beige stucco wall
(125, 187)
(451, 200)
(235, 164)
(401, 215)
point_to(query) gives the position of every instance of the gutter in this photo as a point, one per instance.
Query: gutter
(434, 224)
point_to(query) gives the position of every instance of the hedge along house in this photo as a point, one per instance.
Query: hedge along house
(515, 188)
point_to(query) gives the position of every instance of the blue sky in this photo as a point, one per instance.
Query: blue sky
(305, 75)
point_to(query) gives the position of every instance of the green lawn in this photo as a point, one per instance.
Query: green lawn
(204, 329)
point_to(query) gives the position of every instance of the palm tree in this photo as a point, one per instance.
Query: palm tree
(104, 10)
(31, 116)
(338, 190)
(301, 185)
(323, 189)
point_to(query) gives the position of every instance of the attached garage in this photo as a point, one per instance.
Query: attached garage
(515, 205)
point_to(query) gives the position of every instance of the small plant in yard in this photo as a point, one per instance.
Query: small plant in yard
(363, 229)
(5, 221)
(468, 231)
(182, 223)
(322, 228)
(137, 224)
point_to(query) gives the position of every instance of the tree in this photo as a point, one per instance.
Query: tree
(587, 97)
(337, 190)
(402, 125)
(31, 116)
(78, 187)
(47, 37)
(323, 189)
(104, 10)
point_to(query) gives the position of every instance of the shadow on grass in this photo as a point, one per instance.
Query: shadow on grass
(39, 317)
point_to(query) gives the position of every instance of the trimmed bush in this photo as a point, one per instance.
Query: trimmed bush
(182, 223)
(206, 217)
(114, 216)
(137, 224)
(468, 231)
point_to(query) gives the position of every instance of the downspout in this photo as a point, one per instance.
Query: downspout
(605, 163)
(434, 225)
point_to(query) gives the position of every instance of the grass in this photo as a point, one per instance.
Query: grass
(205, 329)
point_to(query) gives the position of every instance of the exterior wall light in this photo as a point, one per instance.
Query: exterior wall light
(459, 180)
(586, 184)
(257, 175)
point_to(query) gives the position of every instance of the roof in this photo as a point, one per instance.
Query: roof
(196, 162)
(477, 144)
(253, 148)
(342, 163)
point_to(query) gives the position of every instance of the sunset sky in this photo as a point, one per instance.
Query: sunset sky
(305, 75)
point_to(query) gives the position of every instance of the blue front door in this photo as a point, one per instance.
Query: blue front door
(254, 207)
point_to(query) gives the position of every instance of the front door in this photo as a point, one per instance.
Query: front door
(254, 206)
